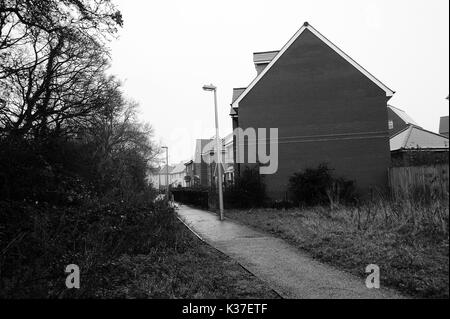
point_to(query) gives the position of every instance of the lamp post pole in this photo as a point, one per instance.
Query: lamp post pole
(218, 150)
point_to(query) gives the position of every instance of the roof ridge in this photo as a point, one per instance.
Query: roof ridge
(410, 129)
(428, 131)
(395, 107)
(272, 51)
(388, 91)
(349, 57)
(404, 116)
(401, 131)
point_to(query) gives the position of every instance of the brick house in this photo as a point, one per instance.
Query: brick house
(197, 170)
(328, 109)
(192, 179)
(202, 171)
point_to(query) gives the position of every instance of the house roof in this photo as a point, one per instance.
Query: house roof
(264, 57)
(237, 93)
(414, 137)
(403, 115)
(179, 168)
(307, 26)
(163, 170)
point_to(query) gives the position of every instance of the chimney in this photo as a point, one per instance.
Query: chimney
(262, 59)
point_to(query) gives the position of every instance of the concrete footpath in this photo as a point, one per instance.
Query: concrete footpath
(291, 273)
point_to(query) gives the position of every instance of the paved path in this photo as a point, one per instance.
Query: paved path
(288, 271)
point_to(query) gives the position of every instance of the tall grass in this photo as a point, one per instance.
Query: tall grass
(413, 217)
(408, 239)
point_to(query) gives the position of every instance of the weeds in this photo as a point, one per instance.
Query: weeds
(409, 240)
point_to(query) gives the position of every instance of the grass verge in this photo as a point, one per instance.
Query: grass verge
(123, 250)
(192, 270)
(409, 242)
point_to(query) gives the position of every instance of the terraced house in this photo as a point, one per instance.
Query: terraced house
(327, 107)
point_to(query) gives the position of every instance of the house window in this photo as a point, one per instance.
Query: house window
(391, 125)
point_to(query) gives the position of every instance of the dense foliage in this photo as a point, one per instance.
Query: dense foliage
(73, 155)
(318, 186)
(192, 196)
(247, 191)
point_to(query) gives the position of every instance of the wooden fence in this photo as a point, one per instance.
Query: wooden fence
(429, 181)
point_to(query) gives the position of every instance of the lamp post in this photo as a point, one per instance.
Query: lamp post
(212, 88)
(167, 172)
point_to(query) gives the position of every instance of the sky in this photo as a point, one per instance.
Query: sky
(167, 50)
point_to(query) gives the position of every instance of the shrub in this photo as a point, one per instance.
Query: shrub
(318, 187)
(282, 205)
(195, 197)
(39, 241)
(248, 190)
(60, 204)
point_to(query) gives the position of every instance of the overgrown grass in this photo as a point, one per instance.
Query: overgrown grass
(123, 250)
(409, 241)
(39, 240)
(191, 270)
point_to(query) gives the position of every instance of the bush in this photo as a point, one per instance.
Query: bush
(61, 203)
(39, 241)
(282, 205)
(248, 190)
(195, 197)
(318, 187)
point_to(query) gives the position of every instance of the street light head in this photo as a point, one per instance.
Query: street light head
(164, 147)
(209, 88)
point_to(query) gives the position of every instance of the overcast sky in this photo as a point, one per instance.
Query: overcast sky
(169, 49)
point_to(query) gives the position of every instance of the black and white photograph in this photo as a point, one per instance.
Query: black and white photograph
(224, 159)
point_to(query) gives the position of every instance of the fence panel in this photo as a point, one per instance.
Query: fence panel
(430, 181)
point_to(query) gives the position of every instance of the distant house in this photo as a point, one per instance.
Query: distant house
(398, 120)
(203, 171)
(229, 159)
(178, 175)
(192, 179)
(327, 108)
(158, 178)
(415, 146)
(200, 168)
(443, 127)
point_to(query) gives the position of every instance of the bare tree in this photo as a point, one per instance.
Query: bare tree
(53, 55)
(120, 141)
